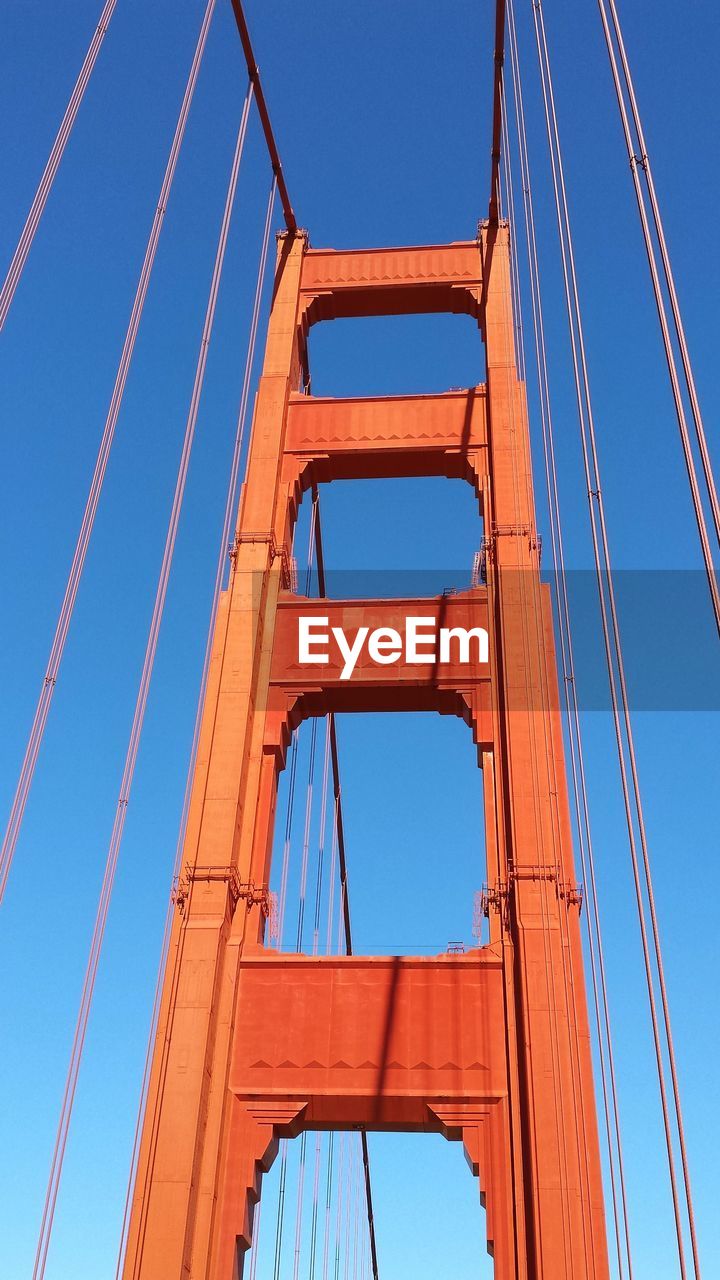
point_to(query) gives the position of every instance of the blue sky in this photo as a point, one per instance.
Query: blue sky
(382, 116)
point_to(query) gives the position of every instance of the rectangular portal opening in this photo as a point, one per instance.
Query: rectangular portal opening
(429, 1223)
(418, 536)
(414, 837)
(395, 355)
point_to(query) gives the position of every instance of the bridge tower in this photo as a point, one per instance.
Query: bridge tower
(490, 1047)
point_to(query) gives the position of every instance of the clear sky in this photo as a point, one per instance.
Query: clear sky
(382, 116)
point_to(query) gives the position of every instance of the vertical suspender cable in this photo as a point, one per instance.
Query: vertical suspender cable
(599, 983)
(256, 1234)
(299, 1207)
(572, 711)
(333, 878)
(641, 161)
(315, 1207)
(614, 658)
(357, 1222)
(350, 1189)
(301, 917)
(19, 258)
(299, 939)
(42, 709)
(344, 1137)
(354, 1232)
(602, 563)
(138, 719)
(306, 837)
(311, 764)
(328, 1205)
(284, 876)
(280, 1215)
(288, 837)
(315, 945)
(321, 840)
(280, 1211)
(289, 813)
(339, 833)
(230, 507)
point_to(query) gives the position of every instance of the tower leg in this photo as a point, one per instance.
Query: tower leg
(251, 1145)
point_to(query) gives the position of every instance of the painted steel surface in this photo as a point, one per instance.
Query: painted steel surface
(490, 1048)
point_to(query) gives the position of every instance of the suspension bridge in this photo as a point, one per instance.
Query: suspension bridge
(278, 1046)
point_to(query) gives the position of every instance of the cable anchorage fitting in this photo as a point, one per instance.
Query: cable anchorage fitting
(288, 564)
(252, 894)
(517, 531)
(567, 891)
(639, 162)
(488, 545)
(493, 898)
(484, 225)
(480, 562)
(497, 897)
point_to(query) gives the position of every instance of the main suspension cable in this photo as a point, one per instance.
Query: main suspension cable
(42, 709)
(230, 507)
(138, 720)
(274, 154)
(19, 258)
(613, 650)
(497, 111)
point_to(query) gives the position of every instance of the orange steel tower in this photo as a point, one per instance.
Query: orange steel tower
(490, 1047)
